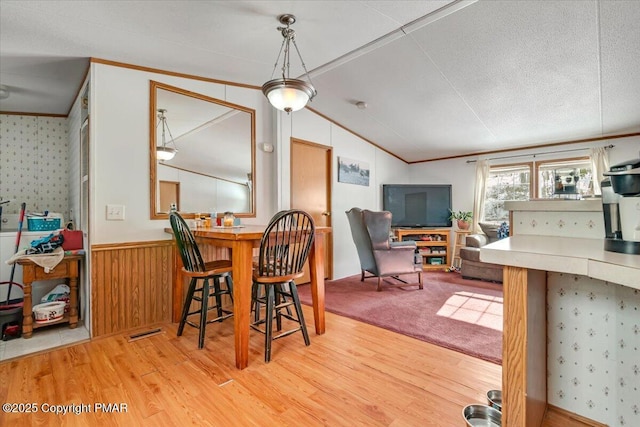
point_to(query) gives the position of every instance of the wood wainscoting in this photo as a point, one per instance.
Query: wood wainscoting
(131, 285)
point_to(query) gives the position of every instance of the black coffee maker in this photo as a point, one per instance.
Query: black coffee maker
(620, 202)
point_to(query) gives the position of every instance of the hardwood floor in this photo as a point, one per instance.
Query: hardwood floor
(354, 375)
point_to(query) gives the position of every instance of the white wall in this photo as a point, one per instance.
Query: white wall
(120, 159)
(120, 149)
(384, 169)
(205, 193)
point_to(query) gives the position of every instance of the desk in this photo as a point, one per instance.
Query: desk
(68, 269)
(241, 241)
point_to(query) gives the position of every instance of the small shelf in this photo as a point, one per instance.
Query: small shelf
(433, 245)
(459, 242)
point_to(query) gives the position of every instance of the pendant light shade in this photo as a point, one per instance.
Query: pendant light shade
(288, 94)
(285, 93)
(164, 151)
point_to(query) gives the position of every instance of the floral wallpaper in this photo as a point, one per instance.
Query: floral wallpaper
(567, 224)
(34, 163)
(593, 330)
(593, 353)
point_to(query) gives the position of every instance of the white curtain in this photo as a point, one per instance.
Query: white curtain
(482, 174)
(599, 164)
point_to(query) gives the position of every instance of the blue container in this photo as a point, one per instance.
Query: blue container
(43, 223)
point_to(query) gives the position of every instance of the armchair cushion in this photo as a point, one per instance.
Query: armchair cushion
(405, 243)
(399, 260)
(470, 254)
(491, 230)
(476, 240)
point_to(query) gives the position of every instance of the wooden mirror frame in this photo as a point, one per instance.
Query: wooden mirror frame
(153, 160)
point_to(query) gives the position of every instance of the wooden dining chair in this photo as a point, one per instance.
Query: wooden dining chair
(284, 248)
(204, 281)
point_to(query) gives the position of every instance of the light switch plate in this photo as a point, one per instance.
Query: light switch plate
(115, 212)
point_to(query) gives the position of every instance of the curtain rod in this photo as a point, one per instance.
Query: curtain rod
(538, 154)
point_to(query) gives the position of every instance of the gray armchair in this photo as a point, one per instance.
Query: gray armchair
(378, 255)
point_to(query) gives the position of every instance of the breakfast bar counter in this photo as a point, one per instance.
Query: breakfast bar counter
(538, 265)
(571, 255)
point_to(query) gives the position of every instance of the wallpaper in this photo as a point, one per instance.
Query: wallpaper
(593, 358)
(34, 163)
(566, 224)
(593, 330)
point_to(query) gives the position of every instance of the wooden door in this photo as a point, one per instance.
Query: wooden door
(311, 189)
(169, 195)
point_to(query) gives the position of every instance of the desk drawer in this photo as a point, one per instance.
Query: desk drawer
(68, 268)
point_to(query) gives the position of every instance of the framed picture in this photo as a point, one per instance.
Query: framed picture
(353, 171)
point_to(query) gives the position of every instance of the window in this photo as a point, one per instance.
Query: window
(560, 178)
(564, 178)
(506, 182)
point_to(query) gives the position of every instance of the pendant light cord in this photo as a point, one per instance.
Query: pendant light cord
(288, 36)
(163, 120)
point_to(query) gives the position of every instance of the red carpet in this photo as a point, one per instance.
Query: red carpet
(452, 312)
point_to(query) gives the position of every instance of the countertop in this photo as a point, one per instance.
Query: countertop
(581, 256)
(560, 205)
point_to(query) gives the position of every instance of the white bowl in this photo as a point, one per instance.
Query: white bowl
(49, 311)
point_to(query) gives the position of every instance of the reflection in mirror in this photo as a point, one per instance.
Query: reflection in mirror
(214, 166)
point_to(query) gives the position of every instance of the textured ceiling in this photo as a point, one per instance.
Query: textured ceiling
(440, 78)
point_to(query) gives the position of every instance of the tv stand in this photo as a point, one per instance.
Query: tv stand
(433, 245)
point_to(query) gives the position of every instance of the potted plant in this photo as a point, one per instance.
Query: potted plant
(462, 218)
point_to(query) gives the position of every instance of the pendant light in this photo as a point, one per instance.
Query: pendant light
(285, 93)
(164, 152)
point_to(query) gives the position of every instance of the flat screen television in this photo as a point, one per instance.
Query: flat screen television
(417, 205)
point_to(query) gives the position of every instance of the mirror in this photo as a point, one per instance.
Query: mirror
(214, 165)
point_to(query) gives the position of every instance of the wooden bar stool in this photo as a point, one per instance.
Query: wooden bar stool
(204, 281)
(284, 248)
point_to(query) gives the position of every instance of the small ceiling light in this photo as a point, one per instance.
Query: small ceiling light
(361, 105)
(285, 93)
(164, 152)
(4, 92)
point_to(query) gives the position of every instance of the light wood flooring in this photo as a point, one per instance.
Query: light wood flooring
(354, 375)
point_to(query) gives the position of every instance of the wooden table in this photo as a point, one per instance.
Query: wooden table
(241, 241)
(69, 269)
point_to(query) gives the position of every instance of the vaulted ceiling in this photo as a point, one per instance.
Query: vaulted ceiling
(440, 78)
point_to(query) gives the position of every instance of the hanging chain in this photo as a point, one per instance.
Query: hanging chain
(163, 120)
(304, 67)
(275, 66)
(289, 35)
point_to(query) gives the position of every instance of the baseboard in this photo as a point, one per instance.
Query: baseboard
(562, 417)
